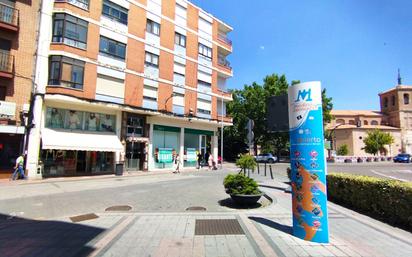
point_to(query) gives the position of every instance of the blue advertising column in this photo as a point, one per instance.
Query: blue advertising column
(308, 164)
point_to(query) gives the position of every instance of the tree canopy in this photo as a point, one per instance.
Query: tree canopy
(376, 140)
(250, 103)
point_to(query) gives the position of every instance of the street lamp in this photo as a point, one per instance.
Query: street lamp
(167, 99)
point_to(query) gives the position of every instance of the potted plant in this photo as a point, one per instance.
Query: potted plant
(242, 190)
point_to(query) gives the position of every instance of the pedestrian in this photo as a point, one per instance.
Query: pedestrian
(176, 164)
(210, 162)
(207, 155)
(199, 160)
(19, 168)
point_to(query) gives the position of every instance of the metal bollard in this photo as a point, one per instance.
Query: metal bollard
(271, 173)
(258, 165)
(265, 169)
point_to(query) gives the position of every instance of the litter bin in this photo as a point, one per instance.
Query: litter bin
(119, 168)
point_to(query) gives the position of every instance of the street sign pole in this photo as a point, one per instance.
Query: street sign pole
(308, 164)
(250, 136)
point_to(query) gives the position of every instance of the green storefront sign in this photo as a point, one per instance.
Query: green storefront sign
(165, 155)
(199, 132)
(191, 155)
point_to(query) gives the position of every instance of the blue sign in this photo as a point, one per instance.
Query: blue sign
(308, 163)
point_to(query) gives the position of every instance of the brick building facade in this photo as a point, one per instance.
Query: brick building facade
(136, 81)
(18, 34)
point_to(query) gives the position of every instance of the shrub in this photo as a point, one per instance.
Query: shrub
(343, 150)
(240, 185)
(246, 161)
(383, 199)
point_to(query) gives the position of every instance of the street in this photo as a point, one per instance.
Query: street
(69, 217)
(388, 170)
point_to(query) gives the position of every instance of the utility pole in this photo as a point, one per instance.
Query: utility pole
(250, 136)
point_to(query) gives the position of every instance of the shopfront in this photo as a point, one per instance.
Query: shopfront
(166, 145)
(77, 142)
(136, 141)
(196, 142)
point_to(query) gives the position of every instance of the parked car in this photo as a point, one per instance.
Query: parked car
(402, 157)
(266, 157)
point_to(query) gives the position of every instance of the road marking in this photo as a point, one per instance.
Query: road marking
(392, 177)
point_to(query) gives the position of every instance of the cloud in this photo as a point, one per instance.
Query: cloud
(262, 48)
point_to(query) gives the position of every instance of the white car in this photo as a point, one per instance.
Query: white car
(266, 157)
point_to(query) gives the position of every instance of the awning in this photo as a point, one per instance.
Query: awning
(81, 141)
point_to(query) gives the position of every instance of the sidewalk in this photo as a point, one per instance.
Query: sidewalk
(6, 180)
(257, 232)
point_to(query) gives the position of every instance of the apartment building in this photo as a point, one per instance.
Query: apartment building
(137, 81)
(18, 32)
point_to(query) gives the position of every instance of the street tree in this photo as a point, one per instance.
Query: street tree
(250, 103)
(376, 140)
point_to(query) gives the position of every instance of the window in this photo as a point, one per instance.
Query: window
(393, 99)
(78, 120)
(69, 30)
(406, 98)
(112, 48)
(84, 4)
(3, 93)
(180, 40)
(385, 102)
(205, 51)
(152, 59)
(153, 27)
(374, 123)
(115, 12)
(351, 122)
(135, 126)
(67, 72)
(203, 111)
(340, 121)
(365, 122)
(150, 93)
(203, 83)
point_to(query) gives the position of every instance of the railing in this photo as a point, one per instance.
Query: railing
(84, 4)
(6, 62)
(9, 15)
(223, 62)
(224, 39)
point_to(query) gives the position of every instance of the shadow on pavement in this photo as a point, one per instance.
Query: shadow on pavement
(228, 202)
(273, 187)
(273, 224)
(25, 237)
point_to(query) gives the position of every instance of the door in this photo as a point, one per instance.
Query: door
(134, 156)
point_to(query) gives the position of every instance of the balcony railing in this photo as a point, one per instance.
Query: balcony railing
(9, 15)
(224, 39)
(223, 62)
(6, 62)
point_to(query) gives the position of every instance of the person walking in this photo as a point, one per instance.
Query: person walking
(19, 168)
(176, 164)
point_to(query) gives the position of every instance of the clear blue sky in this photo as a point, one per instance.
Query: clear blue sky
(353, 46)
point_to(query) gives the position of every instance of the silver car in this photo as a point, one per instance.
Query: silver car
(266, 157)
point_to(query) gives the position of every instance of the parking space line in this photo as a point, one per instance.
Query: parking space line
(392, 177)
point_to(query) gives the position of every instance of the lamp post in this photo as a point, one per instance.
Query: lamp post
(167, 99)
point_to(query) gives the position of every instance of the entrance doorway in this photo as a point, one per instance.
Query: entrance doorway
(135, 155)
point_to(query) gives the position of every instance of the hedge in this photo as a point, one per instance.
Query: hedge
(387, 200)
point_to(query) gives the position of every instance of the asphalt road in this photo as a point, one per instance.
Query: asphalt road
(155, 193)
(389, 170)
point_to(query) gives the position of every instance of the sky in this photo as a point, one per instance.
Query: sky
(354, 47)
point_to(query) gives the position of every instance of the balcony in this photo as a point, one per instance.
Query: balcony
(226, 119)
(6, 64)
(223, 63)
(224, 39)
(9, 18)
